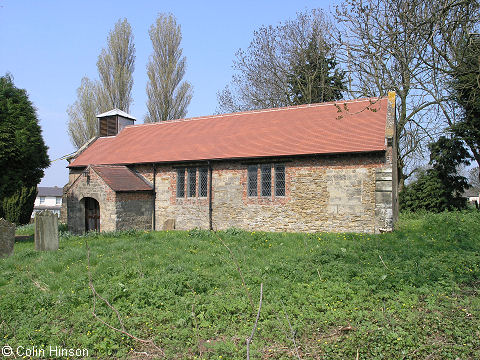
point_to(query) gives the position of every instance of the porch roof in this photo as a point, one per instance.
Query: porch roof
(121, 178)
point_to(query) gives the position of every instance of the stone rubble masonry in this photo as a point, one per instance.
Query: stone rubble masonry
(7, 238)
(323, 193)
(134, 211)
(339, 193)
(46, 231)
(63, 209)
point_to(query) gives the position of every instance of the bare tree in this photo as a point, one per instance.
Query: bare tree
(284, 65)
(406, 46)
(82, 124)
(168, 96)
(473, 178)
(115, 68)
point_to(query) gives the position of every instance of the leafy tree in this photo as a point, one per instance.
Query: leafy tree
(168, 96)
(440, 187)
(18, 208)
(467, 95)
(314, 77)
(115, 67)
(288, 64)
(23, 154)
(425, 193)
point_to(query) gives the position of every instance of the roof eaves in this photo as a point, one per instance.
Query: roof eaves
(237, 159)
(81, 149)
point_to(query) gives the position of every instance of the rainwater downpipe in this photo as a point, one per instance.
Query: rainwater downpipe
(154, 195)
(210, 204)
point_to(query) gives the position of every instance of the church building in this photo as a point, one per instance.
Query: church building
(327, 167)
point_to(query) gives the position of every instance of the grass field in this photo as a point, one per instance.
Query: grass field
(411, 294)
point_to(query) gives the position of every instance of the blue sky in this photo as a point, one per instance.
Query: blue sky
(48, 46)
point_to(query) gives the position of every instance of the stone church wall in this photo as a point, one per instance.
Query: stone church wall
(323, 193)
(134, 211)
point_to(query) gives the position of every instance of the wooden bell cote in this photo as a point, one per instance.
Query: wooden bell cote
(110, 123)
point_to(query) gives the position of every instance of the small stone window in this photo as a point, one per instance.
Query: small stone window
(181, 183)
(192, 182)
(266, 180)
(203, 182)
(42, 199)
(279, 180)
(252, 180)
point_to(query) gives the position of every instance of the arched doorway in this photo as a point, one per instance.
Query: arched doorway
(92, 214)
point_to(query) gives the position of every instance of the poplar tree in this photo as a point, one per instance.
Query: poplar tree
(168, 95)
(115, 65)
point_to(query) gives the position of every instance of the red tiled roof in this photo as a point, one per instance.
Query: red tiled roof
(336, 127)
(121, 178)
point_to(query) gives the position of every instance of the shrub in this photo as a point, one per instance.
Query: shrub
(18, 207)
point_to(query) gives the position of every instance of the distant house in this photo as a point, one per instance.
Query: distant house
(48, 198)
(317, 167)
(472, 196)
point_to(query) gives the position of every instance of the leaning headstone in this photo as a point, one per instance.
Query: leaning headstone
(46, 231)
(169, 224)
(7, 238)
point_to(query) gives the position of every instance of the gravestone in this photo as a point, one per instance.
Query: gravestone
(46, 231)
(169, 224)
(7, 238)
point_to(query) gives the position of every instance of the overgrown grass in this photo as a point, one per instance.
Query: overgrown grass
(411, 294)
(25, 230)
(29, 229)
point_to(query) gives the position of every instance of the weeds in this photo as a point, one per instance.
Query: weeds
(411, 294)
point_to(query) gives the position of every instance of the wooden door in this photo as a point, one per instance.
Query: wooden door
(92, 215)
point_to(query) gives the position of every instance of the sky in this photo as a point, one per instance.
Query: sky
(48, 46)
